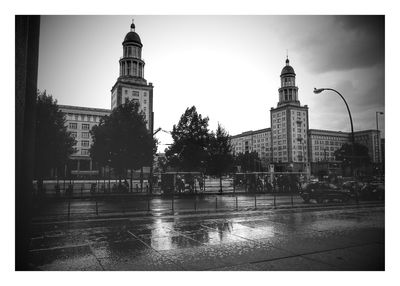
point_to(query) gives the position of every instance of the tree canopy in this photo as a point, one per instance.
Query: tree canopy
(361, 157)
(53, 143)
(188, 151)
(220, 159)
(122, 141)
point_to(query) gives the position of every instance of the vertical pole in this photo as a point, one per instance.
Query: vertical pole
(236, 203)
(131, 181)
(234, 186)
(255, 201)
(141, 179)
(172, 201)
(109, 179)
(69, 207)
(216, 203)
(274, 200)
(195, 203)
(148, 203)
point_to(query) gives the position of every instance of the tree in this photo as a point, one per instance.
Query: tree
(188, 151)
(121, 140)
(249, 162)
(53, 144)
(220, 159)
(361, 159)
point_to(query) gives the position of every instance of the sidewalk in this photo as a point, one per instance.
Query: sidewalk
(317, 239)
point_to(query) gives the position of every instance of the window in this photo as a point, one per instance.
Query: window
(144, 94)
(85, 143)
(126, 91)
(76, 117)
(85, 135)
(135, 93)
(145, 101)
(73, 134)
(73, 125)
(85, 126)
(84, 152)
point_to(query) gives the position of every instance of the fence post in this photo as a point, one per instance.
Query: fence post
(274, 200)
(69, 207)
(233, 182)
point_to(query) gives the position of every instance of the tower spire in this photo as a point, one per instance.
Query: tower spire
(133, 26)
(287, 57)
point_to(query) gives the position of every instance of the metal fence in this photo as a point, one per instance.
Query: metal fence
(178, 183)
(98, 205)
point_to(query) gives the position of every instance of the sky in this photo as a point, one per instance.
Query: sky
(226, 66)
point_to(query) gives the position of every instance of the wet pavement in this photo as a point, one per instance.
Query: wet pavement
(142, 205)
(287, 239)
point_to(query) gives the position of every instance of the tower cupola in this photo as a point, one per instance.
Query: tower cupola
(288, 92)
(131, 64)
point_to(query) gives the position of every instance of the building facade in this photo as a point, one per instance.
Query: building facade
(131, 84)
(79, 121)
(289, 144)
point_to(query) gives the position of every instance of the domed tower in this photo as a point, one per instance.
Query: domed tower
(289, 126)
(131, 65)
(131, 84)
(288, 92)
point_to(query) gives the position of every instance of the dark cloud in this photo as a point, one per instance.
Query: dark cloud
(345, 43)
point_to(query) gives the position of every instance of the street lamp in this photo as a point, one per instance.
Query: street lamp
(319, 90)
(377, 133)
(151, 165)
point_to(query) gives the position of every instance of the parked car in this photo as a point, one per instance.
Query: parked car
(372, 191)
(323, 191)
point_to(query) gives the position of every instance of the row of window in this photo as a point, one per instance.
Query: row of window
(279, 114)
(136, 93)
(325, 148)
(83, 117)
(84, 126)
(84, 135)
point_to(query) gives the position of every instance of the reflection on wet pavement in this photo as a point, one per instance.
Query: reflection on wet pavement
(205, 243)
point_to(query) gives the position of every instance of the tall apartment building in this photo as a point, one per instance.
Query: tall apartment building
(131, 84)
(289, 143)
(259, 141)
(289, 124)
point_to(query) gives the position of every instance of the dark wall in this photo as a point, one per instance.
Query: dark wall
(26, 68)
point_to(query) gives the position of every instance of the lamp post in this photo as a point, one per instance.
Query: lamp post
(377, 133)
(151, 165)
(319, 90)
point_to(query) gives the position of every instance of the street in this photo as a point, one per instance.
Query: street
(314, 238)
